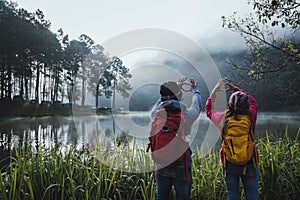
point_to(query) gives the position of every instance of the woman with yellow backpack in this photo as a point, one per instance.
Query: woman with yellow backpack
(236, 126)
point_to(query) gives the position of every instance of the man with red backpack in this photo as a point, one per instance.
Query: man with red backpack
(169, 135)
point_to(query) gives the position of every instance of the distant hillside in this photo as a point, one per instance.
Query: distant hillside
(269, 91)
(144, 97)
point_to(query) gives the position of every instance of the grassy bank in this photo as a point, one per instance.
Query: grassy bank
(52, 174)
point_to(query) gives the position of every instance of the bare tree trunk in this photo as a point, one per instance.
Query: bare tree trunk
(55, 90)
(22, 85)
(9, 79)
(63, 94)
(44, 92)
(37, 83)
(97, 95)
(30, 88)
(114, 95)
(2, 76)
(26, 88)
(70, 91)
(83, 92)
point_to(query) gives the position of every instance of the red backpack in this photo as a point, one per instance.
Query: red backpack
(166, 137)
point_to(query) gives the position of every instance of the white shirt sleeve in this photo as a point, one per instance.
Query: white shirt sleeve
(194, 110)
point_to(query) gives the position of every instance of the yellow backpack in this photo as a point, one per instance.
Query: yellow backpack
(238, 144)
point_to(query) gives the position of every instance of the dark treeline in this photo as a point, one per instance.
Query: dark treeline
(39, 65)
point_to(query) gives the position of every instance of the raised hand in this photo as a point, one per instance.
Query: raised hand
(218, 86)
(181, 82)
(229, 84)
(190, 86)
(193, 83)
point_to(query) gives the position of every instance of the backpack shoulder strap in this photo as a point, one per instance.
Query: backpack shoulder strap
(251, 135)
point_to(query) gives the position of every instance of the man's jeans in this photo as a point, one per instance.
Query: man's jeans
(249, 180)
(176, 175)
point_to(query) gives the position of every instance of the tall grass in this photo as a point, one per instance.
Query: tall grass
(280, 167)
(207, 176)
(44, 173)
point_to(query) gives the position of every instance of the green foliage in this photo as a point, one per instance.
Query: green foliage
(273, 57)
(280, 12)
(41, 173)
(207, 177)
(279, 167)
(51, 174)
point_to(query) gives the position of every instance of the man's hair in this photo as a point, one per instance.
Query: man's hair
(170, 90)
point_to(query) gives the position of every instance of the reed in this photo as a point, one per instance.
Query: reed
(49, 173)
(279, 166)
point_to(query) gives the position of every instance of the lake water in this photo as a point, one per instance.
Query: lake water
(82, 131)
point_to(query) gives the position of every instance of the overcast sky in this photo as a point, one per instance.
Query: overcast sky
(103, 19)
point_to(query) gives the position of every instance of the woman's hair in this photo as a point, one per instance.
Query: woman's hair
(238, 104)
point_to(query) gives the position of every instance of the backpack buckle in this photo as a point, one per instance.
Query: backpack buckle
(165, 128)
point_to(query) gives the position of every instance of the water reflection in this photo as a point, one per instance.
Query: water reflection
(278, 123)
(61, 132)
